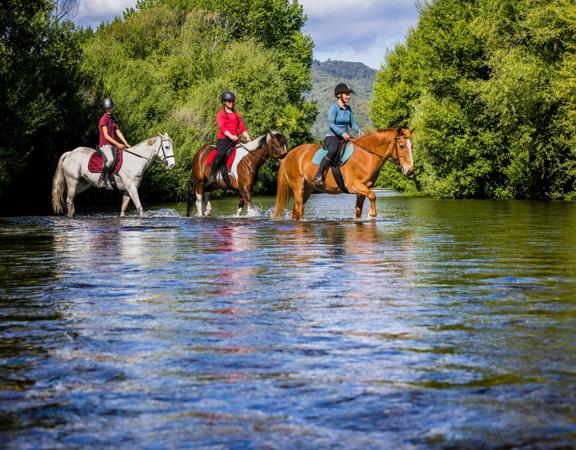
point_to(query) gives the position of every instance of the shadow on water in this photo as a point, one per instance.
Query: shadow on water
(443, 324)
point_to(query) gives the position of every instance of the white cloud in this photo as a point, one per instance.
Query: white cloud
(350, 30)
(93, 12)
(358, 30)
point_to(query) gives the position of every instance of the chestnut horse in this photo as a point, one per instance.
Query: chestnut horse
(249, 158)
(296, 174)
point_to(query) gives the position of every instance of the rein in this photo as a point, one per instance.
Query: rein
(252, 152)
(148, 158)
(382, 158)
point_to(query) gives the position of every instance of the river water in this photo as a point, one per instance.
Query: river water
(443, 324)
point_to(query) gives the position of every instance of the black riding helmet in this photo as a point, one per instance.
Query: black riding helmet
(108, 103)
(227, 95)
(342, 88)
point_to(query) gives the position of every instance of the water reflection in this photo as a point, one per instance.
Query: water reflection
(441, 325)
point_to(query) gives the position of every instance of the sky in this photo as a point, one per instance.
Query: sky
(347, 30)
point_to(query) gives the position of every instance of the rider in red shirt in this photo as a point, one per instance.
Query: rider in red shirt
(108, 143)
(230, 125)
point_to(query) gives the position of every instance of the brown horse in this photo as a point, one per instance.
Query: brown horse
(296, 174)
(249, 158)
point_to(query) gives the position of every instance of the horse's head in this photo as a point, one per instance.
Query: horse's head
(166, 151)
(402, 152)
(278, 144)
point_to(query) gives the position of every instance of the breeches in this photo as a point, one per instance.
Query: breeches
(109, 152)
(222, 147)
(332, 143)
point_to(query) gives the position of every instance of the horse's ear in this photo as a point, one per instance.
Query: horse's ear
(399, 131)
(411, 131)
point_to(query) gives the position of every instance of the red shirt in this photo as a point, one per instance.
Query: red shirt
(231, 122)
(107, 121)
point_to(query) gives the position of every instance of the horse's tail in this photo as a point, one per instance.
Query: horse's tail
(283, 192)
(59, 186)
(190, 195)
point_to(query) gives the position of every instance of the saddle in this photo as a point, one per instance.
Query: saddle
(229, 160)
(345, 152)
(96, 161)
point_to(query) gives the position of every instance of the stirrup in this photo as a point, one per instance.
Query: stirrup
(102, 179)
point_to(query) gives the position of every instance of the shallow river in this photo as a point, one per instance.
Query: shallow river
(443, 324)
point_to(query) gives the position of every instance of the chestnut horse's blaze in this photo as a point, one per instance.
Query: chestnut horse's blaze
(296, 174)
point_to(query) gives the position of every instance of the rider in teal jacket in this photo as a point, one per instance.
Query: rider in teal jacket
(340, 118)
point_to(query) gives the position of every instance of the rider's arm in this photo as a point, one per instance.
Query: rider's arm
(332, 114)
(122, 138)
(242, 128)
(353, 124)
(114, 142)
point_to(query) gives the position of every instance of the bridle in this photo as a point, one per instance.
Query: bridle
(253, 152)
(164, 158)
(382, 158)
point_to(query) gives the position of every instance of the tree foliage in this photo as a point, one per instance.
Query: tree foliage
(172, 59)
(40, 92)
(489, 85)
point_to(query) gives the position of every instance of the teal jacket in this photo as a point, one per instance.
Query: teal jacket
(339, 119)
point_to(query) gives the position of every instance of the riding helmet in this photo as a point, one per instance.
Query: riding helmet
(227, 95)
(108, 103)
(343, 88)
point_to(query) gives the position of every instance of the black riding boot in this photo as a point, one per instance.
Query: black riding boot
(321, 173)
(225, 176)
(103, 176)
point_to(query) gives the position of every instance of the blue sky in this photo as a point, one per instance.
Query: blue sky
(349, 30)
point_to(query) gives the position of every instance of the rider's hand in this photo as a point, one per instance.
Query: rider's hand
(234, 137)
(121, 146)
(128, 146)
(346, 136)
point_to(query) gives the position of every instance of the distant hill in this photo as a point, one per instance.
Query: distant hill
(326, 75)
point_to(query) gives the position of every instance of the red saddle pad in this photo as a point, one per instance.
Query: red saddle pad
(96, 162)
(229, 161)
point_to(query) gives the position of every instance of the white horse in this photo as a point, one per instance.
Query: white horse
(72, 174)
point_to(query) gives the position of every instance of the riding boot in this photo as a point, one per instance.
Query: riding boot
(225, 177)
(321, 172)
(103, 176)
(214, 172)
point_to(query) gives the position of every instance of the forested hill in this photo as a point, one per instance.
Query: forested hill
(326, 75)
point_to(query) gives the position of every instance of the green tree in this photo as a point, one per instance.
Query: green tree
(40, 94)
(488, 85)
(172, 64)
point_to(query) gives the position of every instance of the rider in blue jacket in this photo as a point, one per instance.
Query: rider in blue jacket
(340, 118)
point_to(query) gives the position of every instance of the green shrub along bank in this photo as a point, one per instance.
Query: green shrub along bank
(40, 96)
(490, 86)
(164, 64)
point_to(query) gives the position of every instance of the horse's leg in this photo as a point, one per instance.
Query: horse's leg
(241, 203)
(359, 205)
(133, 191)
(298, 211)
(199, 193)
(71, 186)
(361, 190)
(247, 198)
(207, 204)
(125, 201)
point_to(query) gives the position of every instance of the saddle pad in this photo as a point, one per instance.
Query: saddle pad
(229, 161)
(95, 162)
(321, 153)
